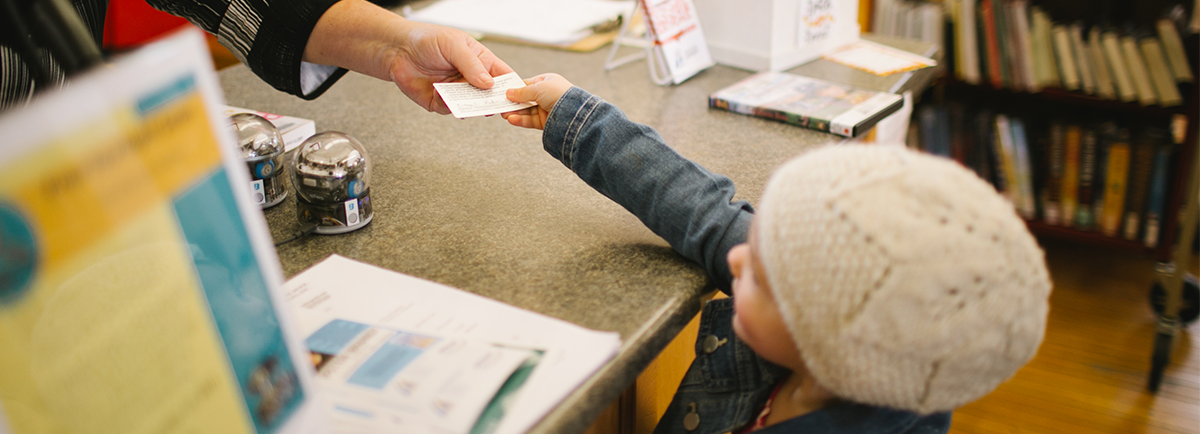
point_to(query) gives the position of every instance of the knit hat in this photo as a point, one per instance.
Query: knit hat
(905, 280)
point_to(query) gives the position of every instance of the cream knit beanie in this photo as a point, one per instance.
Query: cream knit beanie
(906, 281)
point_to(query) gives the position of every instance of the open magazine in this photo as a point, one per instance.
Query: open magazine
(395, 353)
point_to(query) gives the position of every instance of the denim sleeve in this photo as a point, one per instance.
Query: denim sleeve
(690, 207)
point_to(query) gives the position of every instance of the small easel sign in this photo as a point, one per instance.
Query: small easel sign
(674, 44)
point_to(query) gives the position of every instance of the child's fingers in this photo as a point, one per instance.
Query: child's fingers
(524, 94)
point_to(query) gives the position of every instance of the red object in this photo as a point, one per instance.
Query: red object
(131, 23)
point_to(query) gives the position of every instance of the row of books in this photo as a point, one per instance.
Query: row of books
(1017, 45)
(924, 21)
(1104, 176)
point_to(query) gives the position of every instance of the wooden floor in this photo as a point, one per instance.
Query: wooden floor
(1090, 374)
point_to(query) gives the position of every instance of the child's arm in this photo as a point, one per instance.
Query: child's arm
(629, 163)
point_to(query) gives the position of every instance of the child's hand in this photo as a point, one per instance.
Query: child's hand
(545, 90)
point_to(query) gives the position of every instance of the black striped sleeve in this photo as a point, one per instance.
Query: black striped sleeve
(269, 36)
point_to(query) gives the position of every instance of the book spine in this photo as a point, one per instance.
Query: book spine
(927, 119)
(1051, 203)
(1104, 81)
(1008, 165)
(1070, 178)
(1173, 48)
(1046, 65)
(987, 13)
(1104, 136)
(1024, 40)
(1158, 195)
(1137, 70)
(966, 33)
(1026, 206)
(1160, 73)
(1140, 165)
(1117, 64)
(985, 149)
(1087, 169)
(1116, 174)
(1004, 43)
(1087, 81)
(1065, 57)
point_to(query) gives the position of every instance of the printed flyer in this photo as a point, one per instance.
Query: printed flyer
(136, 284)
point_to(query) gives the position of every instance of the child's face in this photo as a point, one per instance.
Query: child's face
(756, 318)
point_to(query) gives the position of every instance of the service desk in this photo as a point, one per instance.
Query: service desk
(478, 205)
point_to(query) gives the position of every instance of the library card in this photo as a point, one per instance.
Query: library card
(465, 100)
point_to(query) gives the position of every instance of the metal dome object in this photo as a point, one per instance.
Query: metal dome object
(262, 148)
(332, 176)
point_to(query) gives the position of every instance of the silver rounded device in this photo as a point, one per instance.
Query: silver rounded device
(332, 176)
(262, 148)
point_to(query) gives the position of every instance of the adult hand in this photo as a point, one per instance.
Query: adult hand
(434, 54)
(365, 38)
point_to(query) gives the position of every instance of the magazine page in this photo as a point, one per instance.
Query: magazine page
(343, 289)
(384, 380)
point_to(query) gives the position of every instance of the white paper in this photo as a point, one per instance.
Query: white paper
(342, 288)
(879, 59)
(558, 22)
(424, 382)
(893, 129)
(466, 100)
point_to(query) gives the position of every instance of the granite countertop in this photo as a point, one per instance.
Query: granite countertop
(478, 205)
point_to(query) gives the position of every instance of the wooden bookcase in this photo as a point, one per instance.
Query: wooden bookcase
(1055, 103)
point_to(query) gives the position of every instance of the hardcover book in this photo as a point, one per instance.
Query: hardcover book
(1158, 193)
(1140, 165)
(1087, 169)
(1126, 91)
(807, 102)
(988, 17)
(1052, 190)
(1023, 37)
(1105, 88)
(1087, 80)
(967, 47)
(1070, 180)
(1137, 70)
(1160, 72)
(1173, 49)
(1026, 205)
(1066, 57)
(1007, 161)
(1045, 66)
(1115, 177)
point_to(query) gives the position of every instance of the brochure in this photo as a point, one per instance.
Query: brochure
(390, 327)
(138, 288)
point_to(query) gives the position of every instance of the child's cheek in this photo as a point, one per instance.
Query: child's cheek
(739, 328)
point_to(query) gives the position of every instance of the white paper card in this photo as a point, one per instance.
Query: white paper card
(466, 100)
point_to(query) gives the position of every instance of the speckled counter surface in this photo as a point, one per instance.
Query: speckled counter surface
(478, 205)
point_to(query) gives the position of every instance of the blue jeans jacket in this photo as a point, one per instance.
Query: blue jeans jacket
(692, 209)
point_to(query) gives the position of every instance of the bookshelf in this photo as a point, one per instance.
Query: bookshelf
(1039, 105)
